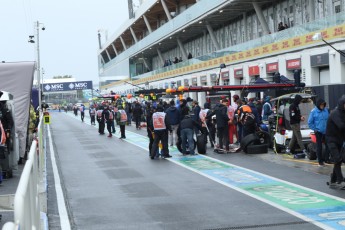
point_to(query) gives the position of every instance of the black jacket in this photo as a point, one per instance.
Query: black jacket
(106, 114)
(294, 112)
(335, 131)
(187, 123)
(137, 111)
(221, 112)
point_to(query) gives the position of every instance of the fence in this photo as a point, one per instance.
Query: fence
(27, 200)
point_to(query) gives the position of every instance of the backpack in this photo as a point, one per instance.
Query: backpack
(81, 109)
(246, 115)
(249, 119)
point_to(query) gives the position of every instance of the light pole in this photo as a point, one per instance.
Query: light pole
(37, 26)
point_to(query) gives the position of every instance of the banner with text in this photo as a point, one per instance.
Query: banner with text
(67, 86)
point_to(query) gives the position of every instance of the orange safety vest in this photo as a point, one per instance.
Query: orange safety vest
(123, 117)
(159, 121)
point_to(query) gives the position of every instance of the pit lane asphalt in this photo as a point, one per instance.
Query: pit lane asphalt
(112, 184)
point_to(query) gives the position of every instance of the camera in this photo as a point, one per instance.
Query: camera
(43, 28)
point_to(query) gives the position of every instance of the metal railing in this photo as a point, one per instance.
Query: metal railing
(27, 211)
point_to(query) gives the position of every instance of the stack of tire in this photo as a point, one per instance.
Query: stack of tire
(256, 143)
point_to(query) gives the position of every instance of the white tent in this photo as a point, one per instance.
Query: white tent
(17, 79)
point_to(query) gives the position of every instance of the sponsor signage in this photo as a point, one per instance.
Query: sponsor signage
(272, 67)
(319, 60)
(166, 85)
(293, 64)
(203, 79)
(254, 71)
(225, 75)
(256, 52)
(178, 83)
(213, 77)
(238, 73)
(194, 81)
(186, 82)
(67, 86)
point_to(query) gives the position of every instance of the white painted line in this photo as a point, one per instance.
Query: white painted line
(64, 219)
(287, 210)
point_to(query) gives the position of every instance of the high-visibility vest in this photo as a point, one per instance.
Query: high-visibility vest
(123, 115)
(99, 113)
(231, 112)
(202, 116)
(3, 135)
(159, 121)
(111, 115)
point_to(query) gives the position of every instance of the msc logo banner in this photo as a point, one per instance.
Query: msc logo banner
(67, 86)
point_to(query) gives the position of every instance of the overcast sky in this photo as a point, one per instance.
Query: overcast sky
(69, 44)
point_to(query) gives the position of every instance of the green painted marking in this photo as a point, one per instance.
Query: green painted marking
(292, 197)
(203, 164)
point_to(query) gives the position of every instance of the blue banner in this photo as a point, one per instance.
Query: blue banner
(67, 86)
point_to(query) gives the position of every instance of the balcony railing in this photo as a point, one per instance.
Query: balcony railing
(295, 31)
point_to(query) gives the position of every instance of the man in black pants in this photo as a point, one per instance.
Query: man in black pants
(161, 126)
(222, 120)
(100, 120)
(108, 117)
(149, 127)
(295, 120)
(335, 137)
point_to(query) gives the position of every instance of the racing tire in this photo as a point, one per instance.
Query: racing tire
(201, 143)
(179, 146)
(257, 149)
(311, 151)
(249, 140)
(264, 137)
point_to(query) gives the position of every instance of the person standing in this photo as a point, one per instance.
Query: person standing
(161, 126)
(149, 127)
(137, 112)
(222, 119)
(113, 130)
(196, 115)
(185, 131)
(92, 113)
(206, 124)
(174, 120)
(295, 120)
(232, 124)
(266, 109)
(122, 119)
(129, 110)
(318, 121)
(100, 120)
(108, 117)
(335, 138)
(82, 112)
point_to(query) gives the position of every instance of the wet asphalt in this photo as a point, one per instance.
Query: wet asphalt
(112, 184)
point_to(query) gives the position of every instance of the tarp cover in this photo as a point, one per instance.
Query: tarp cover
(17, 79)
